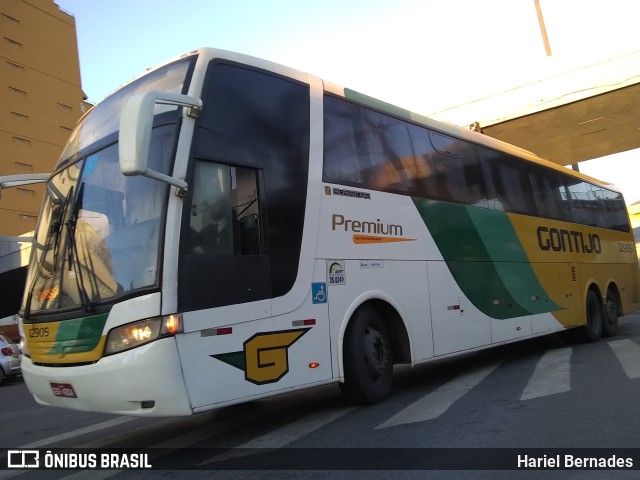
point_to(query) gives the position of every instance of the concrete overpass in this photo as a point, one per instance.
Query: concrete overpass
(590, 128)
(579, 115)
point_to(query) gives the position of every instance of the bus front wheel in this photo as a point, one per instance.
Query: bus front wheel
(367, 353)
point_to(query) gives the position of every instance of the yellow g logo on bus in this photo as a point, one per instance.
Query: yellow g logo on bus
(265, 358)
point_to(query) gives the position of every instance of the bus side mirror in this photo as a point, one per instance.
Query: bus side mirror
(136, 122)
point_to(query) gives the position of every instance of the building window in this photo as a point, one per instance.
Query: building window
(15, 66)
(26, 192)
(64, 107)
(20, 116)
(17, 91)
(10, 18)
(12, 42)
(22, 141)
(23, 167)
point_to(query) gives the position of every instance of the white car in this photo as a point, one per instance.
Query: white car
(9, 360)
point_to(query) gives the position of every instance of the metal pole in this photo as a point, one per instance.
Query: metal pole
(543, 29)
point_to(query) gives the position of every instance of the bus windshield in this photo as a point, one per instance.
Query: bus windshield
(99, 233)
(104, 119)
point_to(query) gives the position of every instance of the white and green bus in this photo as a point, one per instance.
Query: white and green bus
(223, 229)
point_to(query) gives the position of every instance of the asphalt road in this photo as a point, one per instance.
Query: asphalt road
(474, 412)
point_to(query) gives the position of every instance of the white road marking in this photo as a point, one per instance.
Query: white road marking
(81, 431)
(201, 434)
(293, 431)
(65, 436)
(628, 353)
(436, 403)
(551, 376)
(284, 435)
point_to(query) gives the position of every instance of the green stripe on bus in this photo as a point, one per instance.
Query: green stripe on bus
(376, 104)
(486, 258)
(78, 335)
(235, 359)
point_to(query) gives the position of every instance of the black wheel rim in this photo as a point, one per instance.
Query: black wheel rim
(375, 353)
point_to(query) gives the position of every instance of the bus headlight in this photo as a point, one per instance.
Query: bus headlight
(24, 348)
(139, 333)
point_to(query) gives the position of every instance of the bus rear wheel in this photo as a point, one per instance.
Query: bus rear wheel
(368, 365)
(592, 331)
(611, 314)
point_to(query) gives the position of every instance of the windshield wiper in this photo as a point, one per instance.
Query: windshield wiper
(72, 250)
(60, 204)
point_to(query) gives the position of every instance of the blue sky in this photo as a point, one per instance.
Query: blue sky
(424, 55)
(443, 50)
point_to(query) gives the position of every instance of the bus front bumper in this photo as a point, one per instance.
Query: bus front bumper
(144, 381)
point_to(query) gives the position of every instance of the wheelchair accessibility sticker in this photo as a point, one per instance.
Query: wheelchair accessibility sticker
(319, 292)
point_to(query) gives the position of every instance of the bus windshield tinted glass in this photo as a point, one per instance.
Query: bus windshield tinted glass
(104, 119)
(99, 232)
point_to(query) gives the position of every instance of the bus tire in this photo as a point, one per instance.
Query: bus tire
(367, 353)
(592, 331)
(611, 314)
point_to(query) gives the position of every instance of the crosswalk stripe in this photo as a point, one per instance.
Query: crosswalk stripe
(288, 433)
(628, 353)
(81, 431)
(207, 431)
(436, 403)
(552, 375)
(284, 435)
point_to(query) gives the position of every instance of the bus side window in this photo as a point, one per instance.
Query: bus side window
(225, 216)
(246, 211)
(257, 124)
(615, 215)
(367, 149)
(506, 182)
(448, 168)
(584, 204)
(548, 193)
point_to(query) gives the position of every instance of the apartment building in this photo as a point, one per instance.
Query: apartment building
(41, 100)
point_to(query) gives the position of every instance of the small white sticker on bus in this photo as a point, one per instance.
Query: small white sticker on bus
(336, 274)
